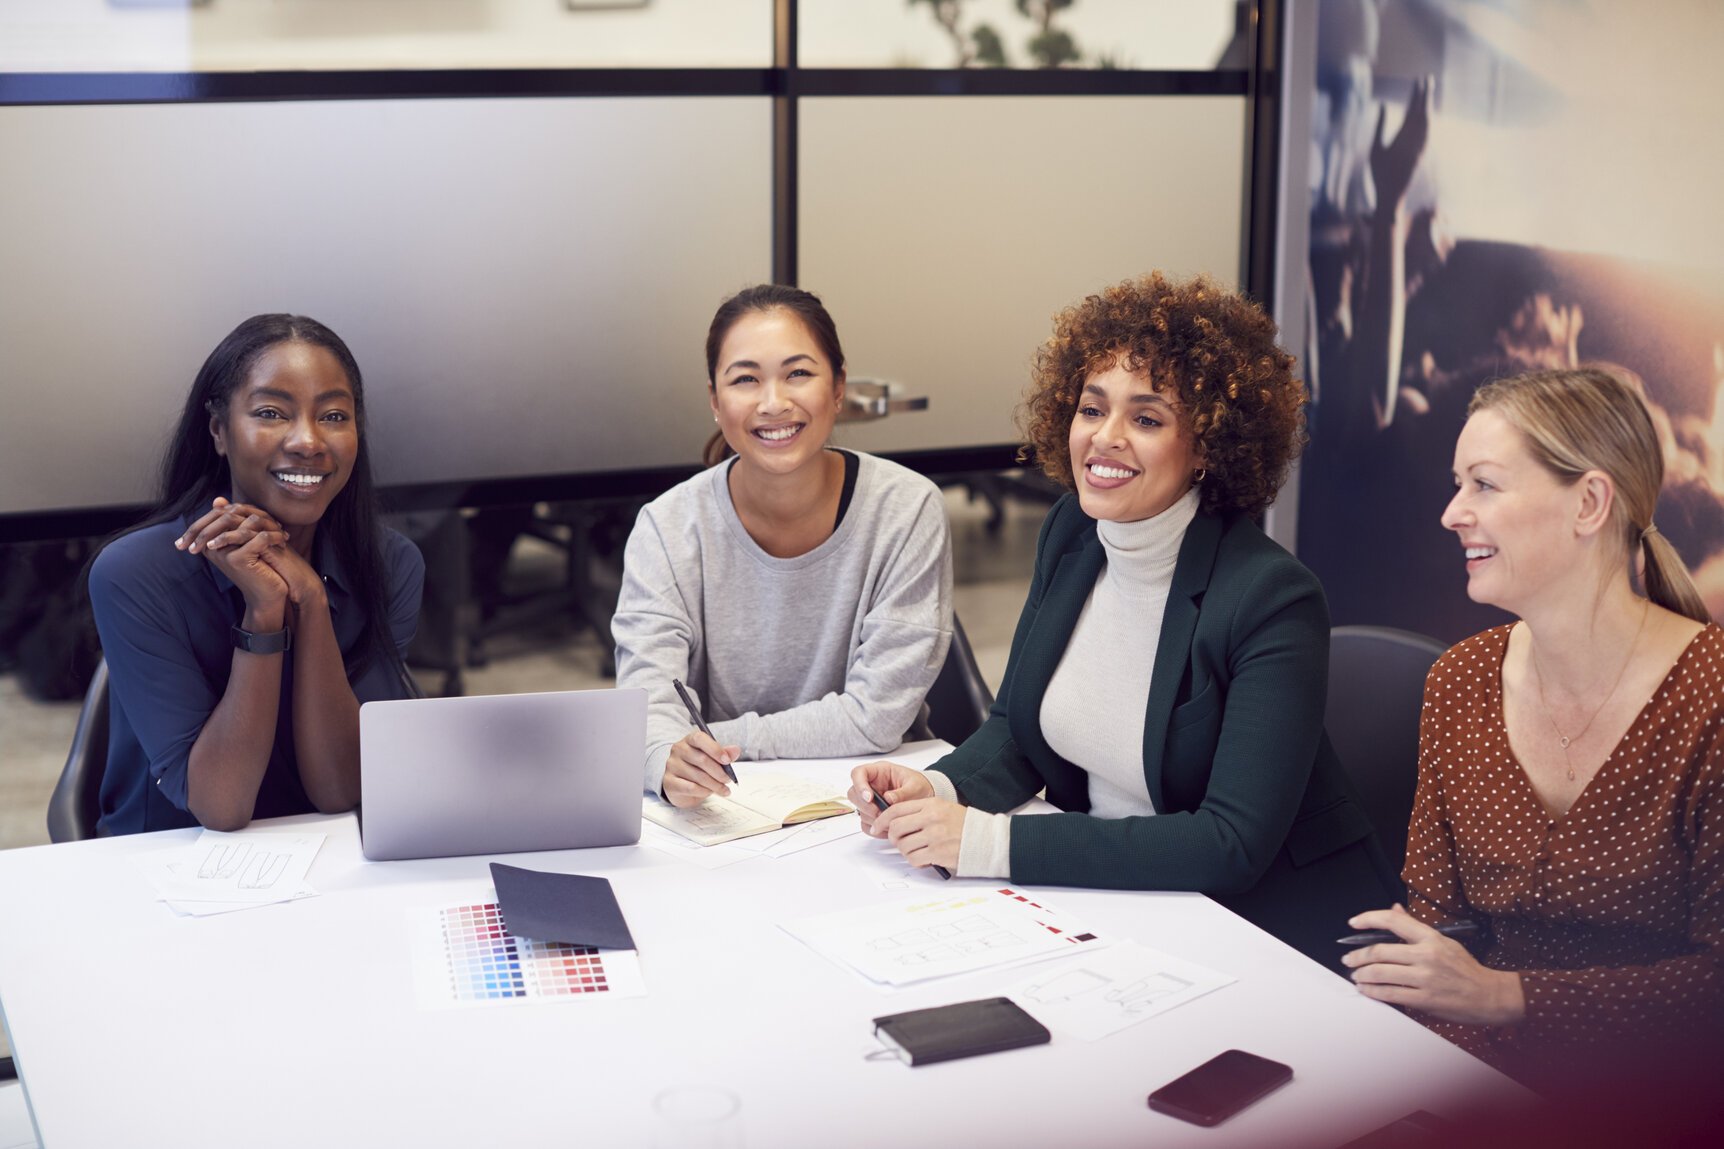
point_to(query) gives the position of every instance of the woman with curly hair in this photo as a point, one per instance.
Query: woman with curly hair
(1167, 678)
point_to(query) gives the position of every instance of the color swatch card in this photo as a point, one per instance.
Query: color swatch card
(233, 871)
(464, 956)
(905, 942)
(1118, 987)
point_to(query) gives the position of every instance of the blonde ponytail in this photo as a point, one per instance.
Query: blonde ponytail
(1666, 576)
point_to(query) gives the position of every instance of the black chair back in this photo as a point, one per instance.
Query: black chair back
(76, 802)
(959, 700)
(1376, 691)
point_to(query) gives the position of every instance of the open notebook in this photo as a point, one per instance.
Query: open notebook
(757, 804)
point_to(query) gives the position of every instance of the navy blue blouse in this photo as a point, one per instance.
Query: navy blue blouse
(165, 618)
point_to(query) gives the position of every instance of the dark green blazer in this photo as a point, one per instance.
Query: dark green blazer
(1251, 803)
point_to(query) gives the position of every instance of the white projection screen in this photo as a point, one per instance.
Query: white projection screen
(526, 282)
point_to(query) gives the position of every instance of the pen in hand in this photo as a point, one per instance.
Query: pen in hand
(1384, 937)
(880, 801)
(699, 722)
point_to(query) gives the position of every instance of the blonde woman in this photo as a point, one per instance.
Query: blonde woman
(1571, 768)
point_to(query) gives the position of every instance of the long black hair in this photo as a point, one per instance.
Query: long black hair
(193, 473)
(805, 305)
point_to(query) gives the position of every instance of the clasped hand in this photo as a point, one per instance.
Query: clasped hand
(927, 830)
(1432, 973)
(250, 547)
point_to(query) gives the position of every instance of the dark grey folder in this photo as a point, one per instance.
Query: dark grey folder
(577, 909)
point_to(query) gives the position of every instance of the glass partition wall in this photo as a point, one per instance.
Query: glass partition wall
(521, 213)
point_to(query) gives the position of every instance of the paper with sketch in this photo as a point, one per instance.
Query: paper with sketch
(1114, 988)
(758, 803)
(799, 838)
(680, 848)
(227, 871)
(905, 942)
(187, 907)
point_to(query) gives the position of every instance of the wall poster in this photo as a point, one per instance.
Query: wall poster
(1498, 186)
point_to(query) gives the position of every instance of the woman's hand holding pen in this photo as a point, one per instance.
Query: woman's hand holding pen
(892, 782)
(695, 769)
(1432, 973)
(927, 830)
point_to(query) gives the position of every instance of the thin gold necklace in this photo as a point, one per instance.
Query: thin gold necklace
(1564, 739)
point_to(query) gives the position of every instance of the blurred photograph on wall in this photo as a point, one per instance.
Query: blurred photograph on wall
(1498, 186)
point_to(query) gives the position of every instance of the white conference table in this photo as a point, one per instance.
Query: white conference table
(296, 1024)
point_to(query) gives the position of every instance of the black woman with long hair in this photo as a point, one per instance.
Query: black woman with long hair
(246, 619)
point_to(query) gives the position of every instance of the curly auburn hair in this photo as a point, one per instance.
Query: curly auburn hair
(1214, 349)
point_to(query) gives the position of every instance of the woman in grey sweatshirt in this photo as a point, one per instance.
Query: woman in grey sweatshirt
(803, 593)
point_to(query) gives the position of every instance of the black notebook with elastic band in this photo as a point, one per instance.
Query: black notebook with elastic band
(964, 1029)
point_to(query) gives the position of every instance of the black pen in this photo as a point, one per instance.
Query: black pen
(880, 801)
(699, 722)
(1383, 937)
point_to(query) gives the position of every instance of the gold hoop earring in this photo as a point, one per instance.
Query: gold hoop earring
(1199, 476)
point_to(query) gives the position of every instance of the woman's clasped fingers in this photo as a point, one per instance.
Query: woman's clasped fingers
(228, 524)
(244, 531)
(207, 526)
(251, 542)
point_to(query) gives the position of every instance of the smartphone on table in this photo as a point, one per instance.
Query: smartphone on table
(1220, 1087)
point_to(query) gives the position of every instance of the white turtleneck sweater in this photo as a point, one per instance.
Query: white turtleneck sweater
(1092, 713)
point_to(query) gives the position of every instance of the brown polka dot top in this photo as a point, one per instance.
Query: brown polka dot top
(1613, 912)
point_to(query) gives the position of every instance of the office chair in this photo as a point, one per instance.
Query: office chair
(1376, 691)
(958, 701)
(75, 804)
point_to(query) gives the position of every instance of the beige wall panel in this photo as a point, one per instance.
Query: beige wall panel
(945, 233)
(526, 282)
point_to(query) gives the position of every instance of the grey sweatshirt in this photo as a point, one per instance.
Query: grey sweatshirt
(823, 655)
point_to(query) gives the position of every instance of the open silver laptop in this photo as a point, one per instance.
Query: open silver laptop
(501, 774)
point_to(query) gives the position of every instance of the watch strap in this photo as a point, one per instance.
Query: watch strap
(276, 642)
